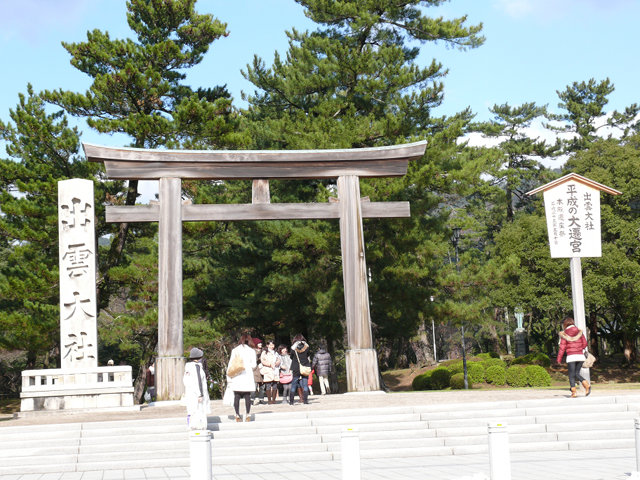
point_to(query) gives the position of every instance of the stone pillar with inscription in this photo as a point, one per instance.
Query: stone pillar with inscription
(76, 224)
(80, 383)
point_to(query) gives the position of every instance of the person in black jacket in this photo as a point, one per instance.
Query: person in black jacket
(323, 366)
(299, 356)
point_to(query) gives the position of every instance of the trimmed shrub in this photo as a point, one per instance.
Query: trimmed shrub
(457, 381)
(482, 356)
(440, 378)
(537, 358)
(537, 376)
(516, 376)
(542, 359)
(488, 355)
(490, 362)
(455, 367)
(422, 381)
(496, 375)
(475, 372)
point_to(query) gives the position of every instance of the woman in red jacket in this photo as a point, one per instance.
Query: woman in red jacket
(572, 341)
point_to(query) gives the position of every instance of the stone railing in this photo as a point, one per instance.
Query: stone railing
(65, 379)
(63, 389)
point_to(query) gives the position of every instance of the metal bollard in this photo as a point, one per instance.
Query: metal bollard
(499, 457)
(350, 449)
(200, 454)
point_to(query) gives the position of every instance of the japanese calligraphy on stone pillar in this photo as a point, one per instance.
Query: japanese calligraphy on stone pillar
(573, 220)
(76, 228)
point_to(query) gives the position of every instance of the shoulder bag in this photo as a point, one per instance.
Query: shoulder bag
(590, 359)
(304, 370)
(236, 366)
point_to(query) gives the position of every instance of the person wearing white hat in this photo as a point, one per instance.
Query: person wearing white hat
(196, 395)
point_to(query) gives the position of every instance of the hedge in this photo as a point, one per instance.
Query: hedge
(457, 381)
(537, 358)
(516, 376)
(475, 372)
(422, 381)
(440, 378)
(537, 376)
(496, 375)
(490, 362)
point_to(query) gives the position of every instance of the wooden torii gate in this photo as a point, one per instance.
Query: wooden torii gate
(171, 166)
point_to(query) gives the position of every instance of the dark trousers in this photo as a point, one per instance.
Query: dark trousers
(247, 401)
(574, 373)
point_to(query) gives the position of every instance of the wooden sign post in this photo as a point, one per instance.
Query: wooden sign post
(572, 207)
(171, 166)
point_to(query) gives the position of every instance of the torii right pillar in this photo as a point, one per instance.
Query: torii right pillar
(361, 358)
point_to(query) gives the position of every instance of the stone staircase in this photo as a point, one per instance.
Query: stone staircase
(592, 423)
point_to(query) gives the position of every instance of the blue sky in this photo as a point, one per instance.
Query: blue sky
(533, 47)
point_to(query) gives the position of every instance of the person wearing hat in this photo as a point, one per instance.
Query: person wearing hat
(243, 384)
(196, 394)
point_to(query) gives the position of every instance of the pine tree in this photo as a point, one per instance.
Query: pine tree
(42, 150)
(583, 104)
(515, 164)
(354, 82)
(137, 86)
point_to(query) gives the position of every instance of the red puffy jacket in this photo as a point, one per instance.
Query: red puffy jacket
(572, 347)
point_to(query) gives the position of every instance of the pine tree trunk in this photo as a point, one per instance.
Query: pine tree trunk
(630, 352)
(139, 384)
(593, 334)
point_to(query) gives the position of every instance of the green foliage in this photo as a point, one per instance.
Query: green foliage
(537, 376)
(422, 381)
(43, 150)
(137, 86)
(533, 358)
(475, 372)
(496, 375)
(454, 366)
(490, 362)
(516, 376)
(515, 163)
(486, 355)
(440, 378)
(456, 382)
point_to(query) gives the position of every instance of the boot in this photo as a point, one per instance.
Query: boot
(301, 395)
(573, 392)
(292, 395)
(587, 388)
(272, 396)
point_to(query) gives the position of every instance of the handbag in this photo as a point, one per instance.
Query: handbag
(236, 366)
(286, 377)
(304, 370)
(591, 359)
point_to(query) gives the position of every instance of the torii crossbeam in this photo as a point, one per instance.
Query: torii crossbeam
(171, 166)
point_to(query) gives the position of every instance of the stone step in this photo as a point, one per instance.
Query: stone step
(427, 430)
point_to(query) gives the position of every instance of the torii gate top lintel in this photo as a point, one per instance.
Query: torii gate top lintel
(144, 164)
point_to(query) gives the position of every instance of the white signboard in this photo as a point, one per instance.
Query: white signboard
(78, 335)
(573, 220)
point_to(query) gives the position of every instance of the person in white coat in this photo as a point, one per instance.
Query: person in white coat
(243, 384)
(196, 395)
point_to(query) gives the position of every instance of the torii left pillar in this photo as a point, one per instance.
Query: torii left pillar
(169, 368)
(361, 358)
